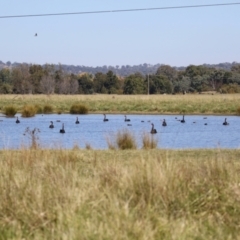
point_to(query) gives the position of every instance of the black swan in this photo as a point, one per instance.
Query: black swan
(17, 121)
(164, 124)
(153, 130)
(183, 120)
(62, 130)
(126, 119)
(225, 122)
(51, 125)
(105, 119)
(77, 121)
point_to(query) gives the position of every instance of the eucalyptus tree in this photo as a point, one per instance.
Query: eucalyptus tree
(158, 84)
(215, 79)
(36, 74)
(112, 83)
(134, 84)
(21, 79)
(167, 71)
(85, 84)
(99, 83)
(47, 84)
(5, 81)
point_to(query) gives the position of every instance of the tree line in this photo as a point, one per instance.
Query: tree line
(49, 79)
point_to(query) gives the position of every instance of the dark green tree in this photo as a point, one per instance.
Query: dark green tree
(215, 79)
(199, 83)
(112, 83)
(99, 83)
(21, 79)
(167, 71)
(85, 84)
(5, 76)
(158, 84)
(36, 74)
(193, 71)
(182, 84)
(134, 84)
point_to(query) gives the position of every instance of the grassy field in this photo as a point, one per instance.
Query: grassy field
(152, 104)
(121, 194)
(114, 194)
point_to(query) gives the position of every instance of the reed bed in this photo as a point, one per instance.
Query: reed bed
(150, 104)
(114, 194)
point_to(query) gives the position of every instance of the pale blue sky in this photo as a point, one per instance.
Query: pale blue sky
(175, 37)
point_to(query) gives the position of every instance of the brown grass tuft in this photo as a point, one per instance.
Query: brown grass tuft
(29, 111)
(149, 141)
(10, 111)
(78, 109)
(47, 109)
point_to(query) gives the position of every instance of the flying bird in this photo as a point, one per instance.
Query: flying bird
(35, 34)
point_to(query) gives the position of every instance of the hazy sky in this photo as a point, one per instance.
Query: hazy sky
(175, 37)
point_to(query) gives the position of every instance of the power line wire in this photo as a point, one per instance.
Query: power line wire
(121, 10)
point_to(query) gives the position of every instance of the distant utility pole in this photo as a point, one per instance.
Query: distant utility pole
(148, 84)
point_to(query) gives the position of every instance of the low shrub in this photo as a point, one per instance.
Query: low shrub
(29, 111)
(125, 140)
(47, 109)
(230, 88)
(78, 109)
(10, 111)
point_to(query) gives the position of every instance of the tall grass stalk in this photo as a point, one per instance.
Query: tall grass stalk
(149, 141)
(33, 137)
(89, 194)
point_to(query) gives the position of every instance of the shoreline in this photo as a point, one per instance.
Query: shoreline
(129, 113)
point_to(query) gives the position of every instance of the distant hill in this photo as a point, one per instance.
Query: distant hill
(124, 70)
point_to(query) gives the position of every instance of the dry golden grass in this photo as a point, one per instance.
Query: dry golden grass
(131, 194)
(167, 104)
(123, 140)
(149, 142)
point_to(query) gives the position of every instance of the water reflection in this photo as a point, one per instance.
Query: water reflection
(197, 131)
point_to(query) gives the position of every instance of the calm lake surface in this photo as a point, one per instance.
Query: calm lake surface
(92, 130)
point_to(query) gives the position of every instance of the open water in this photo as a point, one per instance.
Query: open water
(92, 130)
